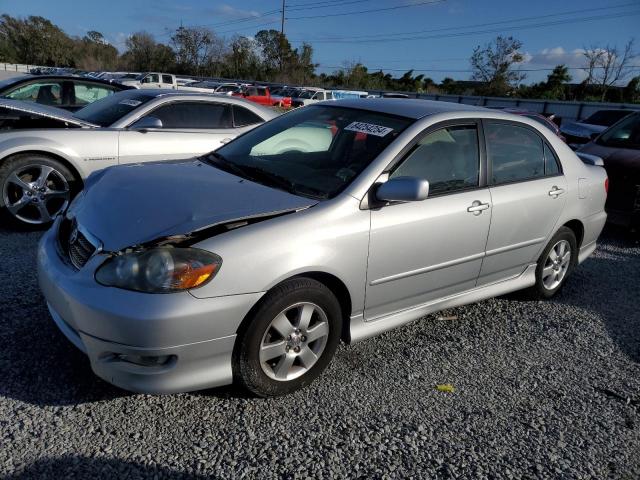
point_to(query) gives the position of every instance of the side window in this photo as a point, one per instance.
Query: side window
(252, 91)
(86, 93)
(551, 163)
(194, 115)
(167, 79)
(515, 153)
(448, 158)
(46, 93)
(151, 78)
(262, 92)
(318, 96)
(243, 117)
(329, 95)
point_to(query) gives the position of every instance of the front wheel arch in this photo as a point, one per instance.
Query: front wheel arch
(53, 156)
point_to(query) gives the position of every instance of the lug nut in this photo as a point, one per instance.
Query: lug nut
(289, 337)
(287, 348)
(296, 349)
(304, 339)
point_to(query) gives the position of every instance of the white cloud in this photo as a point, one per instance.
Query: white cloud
(234, 13)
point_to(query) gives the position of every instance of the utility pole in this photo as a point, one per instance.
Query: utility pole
(282, 36)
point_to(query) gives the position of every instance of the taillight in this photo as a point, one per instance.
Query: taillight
(606, 185)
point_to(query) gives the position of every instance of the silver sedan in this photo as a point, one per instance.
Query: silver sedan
(47, 152)
(335, 222)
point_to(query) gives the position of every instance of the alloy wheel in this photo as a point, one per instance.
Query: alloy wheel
(294, 341)
(35, 193)
(556, 265)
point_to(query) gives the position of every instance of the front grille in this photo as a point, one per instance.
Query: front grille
(74, 244)
(80, 251)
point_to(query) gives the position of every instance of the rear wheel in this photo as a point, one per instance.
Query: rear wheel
(289, 339)
(35, 188)
(556, 263)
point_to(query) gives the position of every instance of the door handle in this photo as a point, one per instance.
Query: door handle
(555, 191)
(477, 207)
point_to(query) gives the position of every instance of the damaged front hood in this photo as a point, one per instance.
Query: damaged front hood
(125, 206)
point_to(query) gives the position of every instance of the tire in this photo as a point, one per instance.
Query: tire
(550, 276)
(34, 188)
(286, 365)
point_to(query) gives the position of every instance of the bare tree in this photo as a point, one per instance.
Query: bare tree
(608, 65)
(493, 64)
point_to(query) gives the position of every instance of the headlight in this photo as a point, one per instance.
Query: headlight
(159, 270)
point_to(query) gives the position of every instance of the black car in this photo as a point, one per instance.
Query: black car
(62, 91)
(619, 148)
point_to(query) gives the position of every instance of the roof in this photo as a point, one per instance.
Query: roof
(28, 78)
(405, 107)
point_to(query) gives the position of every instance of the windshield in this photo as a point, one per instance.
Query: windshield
(626, 134)
(204, 84)
(606, 118)
(110, 109)
(315, 151)
(306, 94)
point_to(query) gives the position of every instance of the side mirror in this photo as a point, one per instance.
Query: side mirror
(147, 122)
(590, 159)
(403, 189)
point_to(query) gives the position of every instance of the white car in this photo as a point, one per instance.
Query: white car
(46, 153)
(207, 86)
(152, 80)
(307, 96)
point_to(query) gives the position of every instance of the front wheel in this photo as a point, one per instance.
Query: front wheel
(35, 188)
(289, 339)
(556, 263)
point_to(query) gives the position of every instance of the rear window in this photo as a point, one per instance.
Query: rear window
(624, 135)
(606, 118)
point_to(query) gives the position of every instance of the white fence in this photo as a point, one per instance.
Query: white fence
(16, 67)
(568, 111)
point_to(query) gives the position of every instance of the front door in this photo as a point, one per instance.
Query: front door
(421, 251)
(528, 192)
(188, 129)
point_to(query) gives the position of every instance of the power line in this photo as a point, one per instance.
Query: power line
(397, 7)
(476, 32)
(500, 22)
(326, 3)
(439, 70)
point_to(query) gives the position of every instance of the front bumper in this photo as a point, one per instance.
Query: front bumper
(196, 336)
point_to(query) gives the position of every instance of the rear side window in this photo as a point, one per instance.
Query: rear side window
(167, 79)
(243, 117)
(447, 158)
(551, 163)
(194, 115)
(45, 93)
(515, 153)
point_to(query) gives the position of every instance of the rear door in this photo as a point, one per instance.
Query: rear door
(167, 81)
(189, 128)
(528, 192)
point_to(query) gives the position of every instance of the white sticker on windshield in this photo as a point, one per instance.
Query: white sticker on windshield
(131, 103)
(369, 128)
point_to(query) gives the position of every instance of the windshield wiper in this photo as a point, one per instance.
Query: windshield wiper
(222, 163)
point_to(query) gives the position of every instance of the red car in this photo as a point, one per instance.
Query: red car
(262, 96)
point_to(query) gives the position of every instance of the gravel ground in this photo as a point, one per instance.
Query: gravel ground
(542, 389)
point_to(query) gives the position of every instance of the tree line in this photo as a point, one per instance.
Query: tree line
(269, 56)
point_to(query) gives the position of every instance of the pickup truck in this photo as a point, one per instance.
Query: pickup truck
(262, 96)
(152, 80)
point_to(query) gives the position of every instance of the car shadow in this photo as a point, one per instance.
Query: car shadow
(612, 274)
(77, 466)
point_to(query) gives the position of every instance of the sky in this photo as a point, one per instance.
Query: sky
(433, 37)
